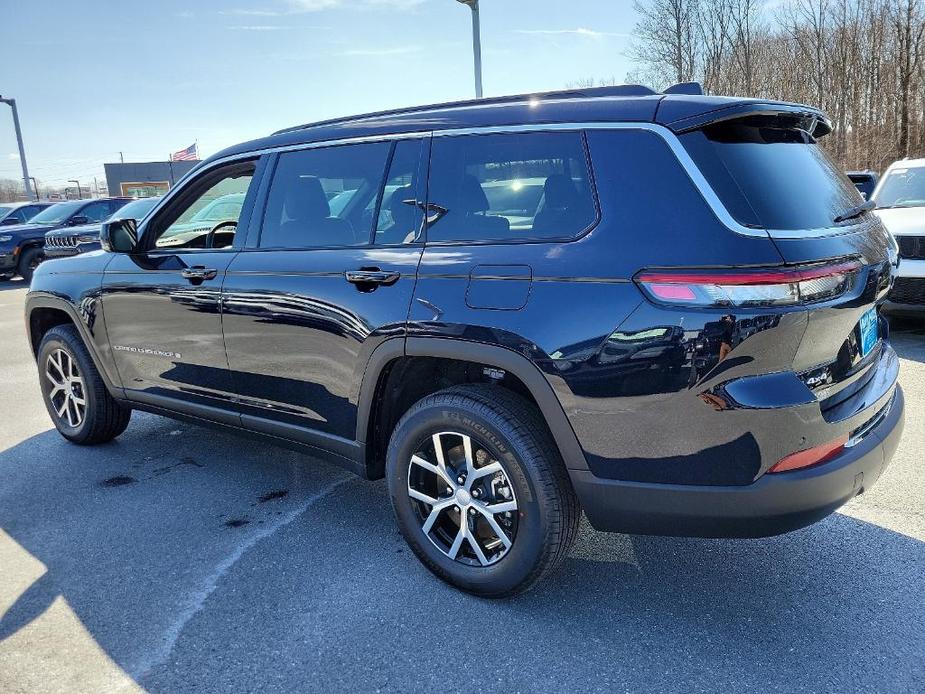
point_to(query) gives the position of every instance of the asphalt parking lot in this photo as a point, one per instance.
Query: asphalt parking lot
(181, 559)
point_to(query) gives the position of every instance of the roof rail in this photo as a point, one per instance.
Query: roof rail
(579, 93)
(688, 88)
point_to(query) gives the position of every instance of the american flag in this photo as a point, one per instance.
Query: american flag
(191, 153)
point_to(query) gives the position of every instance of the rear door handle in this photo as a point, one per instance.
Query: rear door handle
(198, 273)
(372, 276)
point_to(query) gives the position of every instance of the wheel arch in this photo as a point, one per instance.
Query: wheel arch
(525, 377)
(44, 312)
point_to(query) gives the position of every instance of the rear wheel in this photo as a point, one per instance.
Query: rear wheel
(28, 261)
(479, 490)
(75, 396)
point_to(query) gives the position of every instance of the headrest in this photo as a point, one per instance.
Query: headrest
(471, 196)
(305, 200)
(560, 191)
(402, 212)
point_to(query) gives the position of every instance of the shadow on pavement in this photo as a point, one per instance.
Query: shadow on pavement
(315, 591)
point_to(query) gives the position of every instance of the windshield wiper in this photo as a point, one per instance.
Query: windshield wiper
(855, 211)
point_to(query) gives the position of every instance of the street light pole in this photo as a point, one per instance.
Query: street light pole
(476, 44)
(79, 194)
(22, 151)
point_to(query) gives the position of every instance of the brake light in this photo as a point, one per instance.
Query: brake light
(811, 456)
(770, 287)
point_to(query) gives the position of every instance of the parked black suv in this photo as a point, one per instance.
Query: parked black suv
(673, 333)
(21, 245)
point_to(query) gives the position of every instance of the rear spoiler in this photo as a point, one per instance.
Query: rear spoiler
(810, 119)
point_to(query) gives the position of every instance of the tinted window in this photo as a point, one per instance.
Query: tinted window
(96, 211)
(299, 212)
(771, 175)
(29, 211)
(57, 213)
(510, 187)
(903, 188)
(192, 225)
(400, 215)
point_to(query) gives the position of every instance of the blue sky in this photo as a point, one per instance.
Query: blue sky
(148, 78)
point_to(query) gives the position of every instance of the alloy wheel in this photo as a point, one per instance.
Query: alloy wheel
(67, 395)
(463, 498)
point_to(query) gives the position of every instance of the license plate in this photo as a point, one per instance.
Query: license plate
(869, 331)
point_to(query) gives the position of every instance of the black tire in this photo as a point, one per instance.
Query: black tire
(512, 431)
(28, 261)
(103, 418)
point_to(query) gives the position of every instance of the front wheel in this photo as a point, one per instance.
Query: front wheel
(479, 490)
(75, 395)
(30, 259)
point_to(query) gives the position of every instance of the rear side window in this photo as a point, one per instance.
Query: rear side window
(771, 175)
(324, 197)
(509, 187)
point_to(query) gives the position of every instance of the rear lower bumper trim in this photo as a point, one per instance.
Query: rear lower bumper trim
(772, 505)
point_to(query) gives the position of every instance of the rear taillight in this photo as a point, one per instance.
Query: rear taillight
(770, 287)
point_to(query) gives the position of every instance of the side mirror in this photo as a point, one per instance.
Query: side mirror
(119, 236)
(79, 220)
(9, 221)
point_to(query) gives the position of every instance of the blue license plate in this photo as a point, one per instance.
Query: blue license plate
(869, 331)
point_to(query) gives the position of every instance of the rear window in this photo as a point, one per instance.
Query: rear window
(771, 175)
(510, 187)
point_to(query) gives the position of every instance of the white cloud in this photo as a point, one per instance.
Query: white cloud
(580, 31)
(256, 27)
(12, 155)
(251, 13)
(399, 50)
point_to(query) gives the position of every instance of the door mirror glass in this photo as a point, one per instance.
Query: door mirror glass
(78, 220)
(119, 236)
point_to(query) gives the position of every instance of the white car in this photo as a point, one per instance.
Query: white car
(900, 198)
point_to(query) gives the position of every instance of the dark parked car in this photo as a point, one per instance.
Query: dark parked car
(12, 213)
(21, 246)
(864, 181)
(678, 334)
(68, 241)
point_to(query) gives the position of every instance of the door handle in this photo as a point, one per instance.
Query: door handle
(372, 276)
(198, 274)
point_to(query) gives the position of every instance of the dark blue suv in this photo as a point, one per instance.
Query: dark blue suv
(659, 309)
(21, 246)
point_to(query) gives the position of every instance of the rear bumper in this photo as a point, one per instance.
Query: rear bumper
(774, 504)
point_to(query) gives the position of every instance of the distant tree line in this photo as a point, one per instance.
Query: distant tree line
(861, 61)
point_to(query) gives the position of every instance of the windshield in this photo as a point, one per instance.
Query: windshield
(771, 175)
(902, 188)
(136, 209)
(57, 213)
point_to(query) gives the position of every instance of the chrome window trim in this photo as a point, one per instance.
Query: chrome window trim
(667, 135)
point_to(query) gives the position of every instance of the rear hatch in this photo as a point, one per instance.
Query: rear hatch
(765, 164)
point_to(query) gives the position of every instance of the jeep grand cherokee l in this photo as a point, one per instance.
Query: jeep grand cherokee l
(900, 200)
(678, 335)
(21, 246)
(68, 241)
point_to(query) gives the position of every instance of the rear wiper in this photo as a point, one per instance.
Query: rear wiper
(855, 211)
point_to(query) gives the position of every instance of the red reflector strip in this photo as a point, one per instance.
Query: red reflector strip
(747, 277)
(811, 456)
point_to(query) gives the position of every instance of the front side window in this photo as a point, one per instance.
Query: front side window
(208, 217)
(509, 187)
(96, 211)
(324, 197)
(902, 187)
